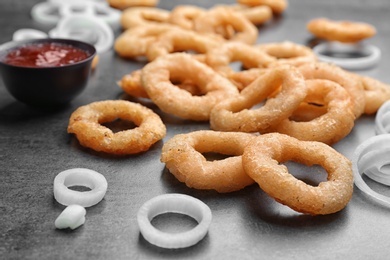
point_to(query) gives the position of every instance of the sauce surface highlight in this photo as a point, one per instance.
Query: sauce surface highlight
(45, 55)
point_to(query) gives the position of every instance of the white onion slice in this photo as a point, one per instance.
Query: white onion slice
(371, 158)
(175, 203)
(382, 119)
(372, 55)
(71, 217)
(79, 177)
(52, 11)
(27, 34)
(85, 28)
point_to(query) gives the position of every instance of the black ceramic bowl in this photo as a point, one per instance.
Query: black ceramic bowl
(46, 86)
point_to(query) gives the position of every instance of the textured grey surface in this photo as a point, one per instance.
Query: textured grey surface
(34, 148)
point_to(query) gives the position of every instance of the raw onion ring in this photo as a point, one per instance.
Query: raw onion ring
(79, 177)
(370, 158)
(370, 55)
(382, 119)
(262, 161)
(85, 28)
(174, 203)
(51, 12)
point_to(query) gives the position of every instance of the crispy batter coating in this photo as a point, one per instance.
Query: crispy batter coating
(330, 127)
(263, 161)
(342, 31)
(157, 80)
(183, 157)
(86, 123)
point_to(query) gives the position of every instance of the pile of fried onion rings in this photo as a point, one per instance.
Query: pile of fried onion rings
(281, 104)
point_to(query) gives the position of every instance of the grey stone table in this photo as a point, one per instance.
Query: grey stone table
(35, 147)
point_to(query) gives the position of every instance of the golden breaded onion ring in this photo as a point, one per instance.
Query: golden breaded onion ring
(288, 53)
(330, 127)
(321, 70)
(139, 16)
(239, 113)
(123, 4)
(157, 81)
(86, 123)
(277, 6)
(263, 161)
(183, 157)
(219, 16)
(341, 31)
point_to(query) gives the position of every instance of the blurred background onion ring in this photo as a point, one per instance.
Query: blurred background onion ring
(382, 119)
(348, 56)
(52, 11)
(371, 158)
(85, 28)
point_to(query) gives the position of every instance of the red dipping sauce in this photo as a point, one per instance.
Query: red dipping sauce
(45, 55)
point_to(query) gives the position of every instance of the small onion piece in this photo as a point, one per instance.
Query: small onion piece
(71, 217)
(371, 158)
(174, 203)
(79, 177)
(382, 119)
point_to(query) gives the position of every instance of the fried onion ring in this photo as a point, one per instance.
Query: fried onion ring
(123, 4)
(220, 58)
(135, 16)
(330, 127)
(277, 6)
(86, 123)
(256, 14)
(288, 52)
(183, 40)
(341, 31)
(218, 17)
(320, 70)
(183, 157)
(262, 161)
(131, 84)
(135, 42)
(184, 16)
(157, 80)
(234, 114)
(376, 93)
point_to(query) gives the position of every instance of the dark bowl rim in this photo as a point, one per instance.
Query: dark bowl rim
(6, 47)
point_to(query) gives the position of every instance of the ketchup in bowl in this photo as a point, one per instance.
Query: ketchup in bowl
(46, 54)
(46, 73)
